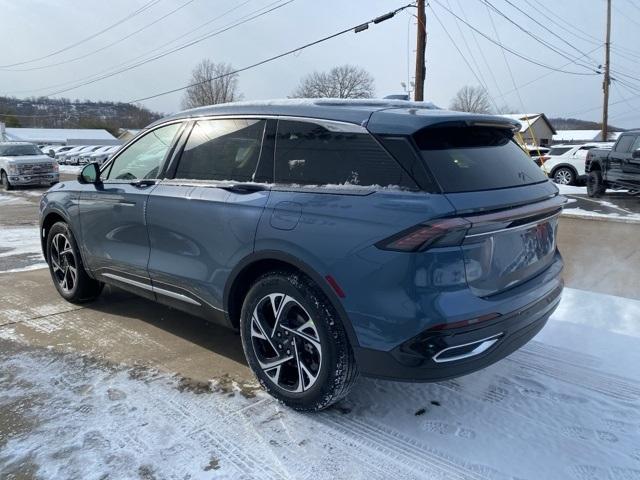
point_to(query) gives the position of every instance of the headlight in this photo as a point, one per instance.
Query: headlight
(13, 169)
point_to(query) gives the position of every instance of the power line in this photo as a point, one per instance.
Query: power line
(464, 58)
(145, 7)
(535, 37)
(510, 50)
(168, 52)
(153, 50)
(356, 29)
(120, 40)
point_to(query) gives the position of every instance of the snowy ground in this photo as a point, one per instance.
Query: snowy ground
(616, 205)
(567, 406)
(20, 249)
(72, 169)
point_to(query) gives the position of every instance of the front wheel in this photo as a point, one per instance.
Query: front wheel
(295, 343)
(564, 176)
(6, 185)
(595, 184)
(66, 268)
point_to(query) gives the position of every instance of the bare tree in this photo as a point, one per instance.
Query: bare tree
(345, 81)
(211, 83)
(471, 99)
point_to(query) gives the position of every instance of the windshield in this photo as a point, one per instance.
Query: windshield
(465, 159)
(19, 150)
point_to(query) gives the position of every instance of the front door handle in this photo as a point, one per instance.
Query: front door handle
(144, 183)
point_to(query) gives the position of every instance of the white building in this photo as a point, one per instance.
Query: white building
(582, 136)
(60, 136)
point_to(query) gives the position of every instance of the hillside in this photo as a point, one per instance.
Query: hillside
(577, 124)
(65, 113)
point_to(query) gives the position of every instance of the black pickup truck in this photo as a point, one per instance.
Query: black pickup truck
(618, 167)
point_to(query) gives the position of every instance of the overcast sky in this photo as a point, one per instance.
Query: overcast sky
(33, 29)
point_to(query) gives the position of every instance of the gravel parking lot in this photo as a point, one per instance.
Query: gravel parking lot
(126, 388)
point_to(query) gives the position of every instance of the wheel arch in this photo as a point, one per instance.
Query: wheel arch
(251, 267)
(50, 219)
(565, 165)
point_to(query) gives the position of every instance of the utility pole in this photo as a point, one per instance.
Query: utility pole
(421, 44)
(607, 78)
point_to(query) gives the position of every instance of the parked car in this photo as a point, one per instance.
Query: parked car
(338, 237)
(85, 156)
(617, 167)
(101, 156)
(564, 164)
(62, 156)
(536, 153)
(23, 163)
(74, 158)
(54, 150)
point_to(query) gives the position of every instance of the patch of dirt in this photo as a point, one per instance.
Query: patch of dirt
(214, 464)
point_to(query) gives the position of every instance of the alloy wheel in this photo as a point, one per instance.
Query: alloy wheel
(63, 262)
(286, 342)
(563, 177)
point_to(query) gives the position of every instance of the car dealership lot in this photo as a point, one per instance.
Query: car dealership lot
(129, 388)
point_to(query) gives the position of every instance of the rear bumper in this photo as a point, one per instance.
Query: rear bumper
(455, 349)
(45, 178)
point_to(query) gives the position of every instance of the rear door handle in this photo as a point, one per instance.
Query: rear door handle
(244, 188)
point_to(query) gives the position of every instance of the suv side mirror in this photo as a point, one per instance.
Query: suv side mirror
(51, 154)
(636, 153)
(90, 174)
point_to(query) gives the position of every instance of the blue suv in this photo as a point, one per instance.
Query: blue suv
(384, 238)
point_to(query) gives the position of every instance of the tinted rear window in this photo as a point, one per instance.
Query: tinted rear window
(464, 159)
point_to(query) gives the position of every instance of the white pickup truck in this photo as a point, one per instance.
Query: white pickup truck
(23, 163)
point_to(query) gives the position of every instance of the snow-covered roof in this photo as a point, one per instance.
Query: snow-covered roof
(582, 135)
(59, 135)
(527, 119)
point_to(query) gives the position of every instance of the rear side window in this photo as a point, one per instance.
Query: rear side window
(310, 154)
(624, 144)
(464, 159)
(222, 150)
(559, 150)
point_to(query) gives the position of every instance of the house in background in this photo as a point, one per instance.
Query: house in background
(536, 129)
(582, 136)
(60, 136)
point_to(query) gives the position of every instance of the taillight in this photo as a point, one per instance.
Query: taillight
(444, 232)
(544, 158)
(56, 167)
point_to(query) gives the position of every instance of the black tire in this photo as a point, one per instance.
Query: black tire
(6, 185)
(564, 176)
(595, 184)
(64, 258)
(322, 348)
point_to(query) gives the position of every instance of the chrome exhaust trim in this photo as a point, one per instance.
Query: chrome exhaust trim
(483, 345)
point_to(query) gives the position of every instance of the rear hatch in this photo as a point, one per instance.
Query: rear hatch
(511, 208)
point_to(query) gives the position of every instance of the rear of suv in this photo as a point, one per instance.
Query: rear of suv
(390, 239)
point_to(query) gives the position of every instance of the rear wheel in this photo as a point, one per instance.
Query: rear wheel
(564, 176)
(595, 184)
(6, 185)
(295, 343)
(66, 268)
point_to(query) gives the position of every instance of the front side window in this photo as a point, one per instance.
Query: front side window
(310, 154)
(143, 158)
(636, 144)
(624, 144)
(222, 150)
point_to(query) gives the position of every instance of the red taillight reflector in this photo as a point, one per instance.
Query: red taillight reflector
(334, 284)
(445, 232)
